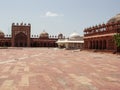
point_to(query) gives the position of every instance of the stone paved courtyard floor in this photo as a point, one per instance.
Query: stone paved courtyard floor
(58, 69)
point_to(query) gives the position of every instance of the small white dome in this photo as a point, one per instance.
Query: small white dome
(74, 36)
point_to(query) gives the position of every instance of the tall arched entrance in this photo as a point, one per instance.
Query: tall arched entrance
(20, 40)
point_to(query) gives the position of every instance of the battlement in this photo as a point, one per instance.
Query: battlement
(113, 27)
(21, 24)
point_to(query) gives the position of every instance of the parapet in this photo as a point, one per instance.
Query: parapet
(21, 24)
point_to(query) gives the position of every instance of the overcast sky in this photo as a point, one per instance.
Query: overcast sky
(56, 16)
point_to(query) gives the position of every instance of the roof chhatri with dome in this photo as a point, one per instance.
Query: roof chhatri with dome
(44, 34)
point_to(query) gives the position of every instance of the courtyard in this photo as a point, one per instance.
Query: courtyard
(58, 69)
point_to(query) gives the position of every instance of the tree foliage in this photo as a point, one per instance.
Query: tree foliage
(117, 39)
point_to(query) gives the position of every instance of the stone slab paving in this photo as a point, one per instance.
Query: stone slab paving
(58, 69)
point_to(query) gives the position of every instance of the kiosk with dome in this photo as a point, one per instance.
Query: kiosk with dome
(75, 41)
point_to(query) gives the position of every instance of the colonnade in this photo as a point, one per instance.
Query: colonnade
(97, 44)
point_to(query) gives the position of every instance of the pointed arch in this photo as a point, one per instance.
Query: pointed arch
(20, 40)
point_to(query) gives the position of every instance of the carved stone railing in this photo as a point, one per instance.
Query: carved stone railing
(103, 29)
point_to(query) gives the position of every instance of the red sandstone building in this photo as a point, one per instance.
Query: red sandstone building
(21, 37)
(101, 37)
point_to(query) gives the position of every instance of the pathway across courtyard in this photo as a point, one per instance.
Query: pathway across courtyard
(58, 69)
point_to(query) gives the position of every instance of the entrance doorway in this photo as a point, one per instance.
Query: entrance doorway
(21, 40)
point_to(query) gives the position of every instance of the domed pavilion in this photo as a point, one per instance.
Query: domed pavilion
(75, 41)
(44, 35)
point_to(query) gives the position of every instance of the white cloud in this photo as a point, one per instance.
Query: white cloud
(52, 14)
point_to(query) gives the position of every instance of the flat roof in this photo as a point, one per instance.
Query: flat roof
(67, 41)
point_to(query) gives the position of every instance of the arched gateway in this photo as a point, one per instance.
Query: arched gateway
(21, 35)
(21, 40)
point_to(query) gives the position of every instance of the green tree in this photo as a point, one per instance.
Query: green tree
(117, 40)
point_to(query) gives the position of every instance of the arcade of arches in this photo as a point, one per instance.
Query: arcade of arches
(97, 44)
(21, 40)
(101, 36)
(101, 43)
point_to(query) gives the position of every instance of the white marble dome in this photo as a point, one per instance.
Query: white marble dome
(115, 19)
(74, 36)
